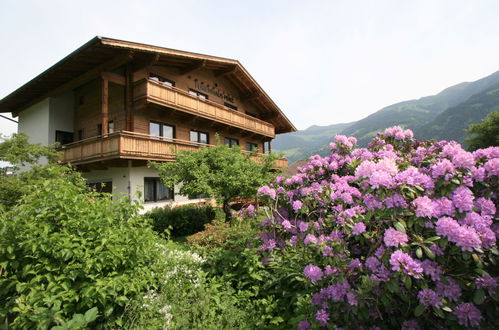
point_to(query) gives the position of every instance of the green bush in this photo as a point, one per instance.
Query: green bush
(187, 299)
(65, 251)
(182, 220)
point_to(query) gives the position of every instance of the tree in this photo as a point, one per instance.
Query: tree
(219, 172)
(18, 152)
(486, 133)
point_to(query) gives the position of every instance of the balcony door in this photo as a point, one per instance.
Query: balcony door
(163, 130)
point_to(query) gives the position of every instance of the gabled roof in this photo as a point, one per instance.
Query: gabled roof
(102, 50)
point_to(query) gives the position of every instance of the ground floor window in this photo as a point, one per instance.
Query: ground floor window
(231, 142)
(155, 190)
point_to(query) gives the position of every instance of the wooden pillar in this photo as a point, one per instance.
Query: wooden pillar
(105, 106)
(128, 98)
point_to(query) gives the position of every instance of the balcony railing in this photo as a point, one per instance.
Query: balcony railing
(131, 145)
(157, 93)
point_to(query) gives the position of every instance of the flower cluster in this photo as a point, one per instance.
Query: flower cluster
(376, 227)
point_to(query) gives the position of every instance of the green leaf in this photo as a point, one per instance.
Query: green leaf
(91, 314)
(429, 253)
(419, 252)
(400, 227)
(419, 310)
(408, 282)
(479, 297)
(447, 309)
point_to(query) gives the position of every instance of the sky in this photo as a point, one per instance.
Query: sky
(322, 62)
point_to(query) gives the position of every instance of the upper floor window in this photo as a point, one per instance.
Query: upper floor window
(155, 190)
(197, 94)
(160, 129)
(164, 81)
(251, 146)
(231, 142)
(230, 106)
(199, 137)
(110, 127)
(63, 137)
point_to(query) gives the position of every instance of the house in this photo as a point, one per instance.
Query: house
(114, 105)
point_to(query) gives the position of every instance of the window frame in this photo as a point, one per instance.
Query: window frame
(251, 145)
(231, 140)
(156, 181)
(161, 130)
(164, 81)
(198, 134)
(230, 106)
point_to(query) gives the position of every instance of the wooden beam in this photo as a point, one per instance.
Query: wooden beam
(250, 96)
(145, 62)
(129, 97)
(230, 70)
(105, 106)
(114, 78)
(81, 79)
(196, 66)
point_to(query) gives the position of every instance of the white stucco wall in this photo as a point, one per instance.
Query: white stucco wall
(130, 182)
(61, 114)
(34, 122)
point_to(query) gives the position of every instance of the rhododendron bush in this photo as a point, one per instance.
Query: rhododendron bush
(399, 234)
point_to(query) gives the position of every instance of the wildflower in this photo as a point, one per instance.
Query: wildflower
(322, 316)
(297, 205)
(402, 261)
(372, 263)
(468, 315)
(428, 297)
(304, 325)
(313, 273)
(451, 291)
(394, 237)
(462, 198)
(487, 282)
(424, 207)
(359, 228)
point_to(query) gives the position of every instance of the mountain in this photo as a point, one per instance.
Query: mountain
(452, 123)
(443, 116)
(415, 114)
(301, 144)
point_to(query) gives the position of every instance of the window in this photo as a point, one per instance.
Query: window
(162, 80)
(80, 134)
(159, 129)
(266, 147)
(231, 142)
(199, 137)
(197, 94)
(251, 146)
(155, 190)
(230, 106)
(63, 137)
(110, 127)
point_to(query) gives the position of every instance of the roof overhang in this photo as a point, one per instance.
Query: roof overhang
(105, 52)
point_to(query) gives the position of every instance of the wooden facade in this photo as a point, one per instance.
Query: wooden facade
(120, 89)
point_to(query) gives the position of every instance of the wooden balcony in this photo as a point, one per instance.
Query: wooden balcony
(155, 92)
(130, 145)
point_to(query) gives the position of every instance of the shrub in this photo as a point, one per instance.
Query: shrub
(67, 255)
(401, 234)
(182, 220)
(187, 299)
